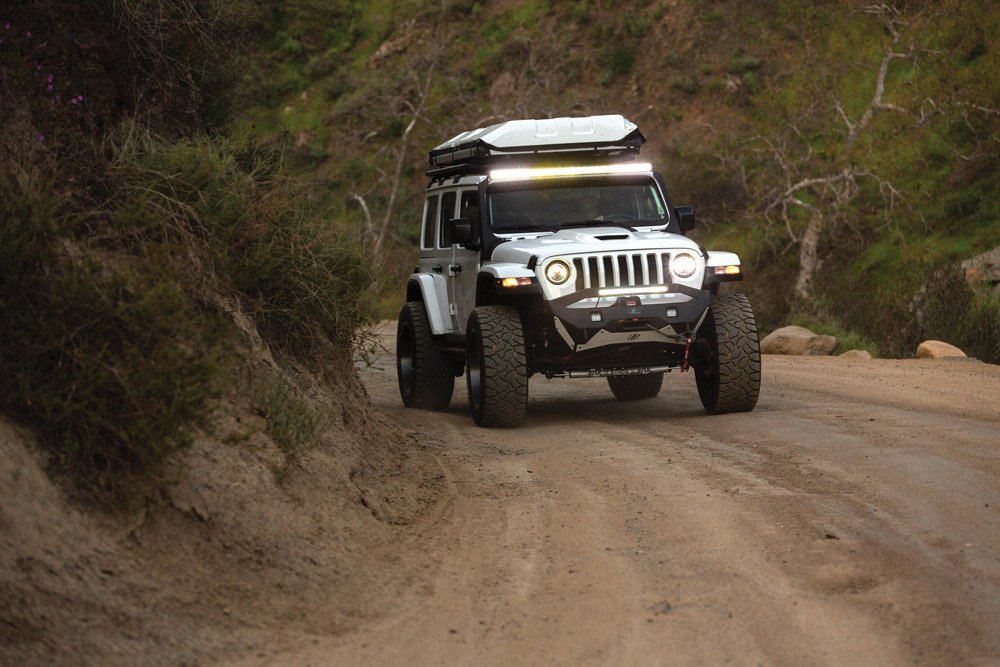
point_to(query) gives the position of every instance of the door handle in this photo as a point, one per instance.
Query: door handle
(455, 268)
(437, 268)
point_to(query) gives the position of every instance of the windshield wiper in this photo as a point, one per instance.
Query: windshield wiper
(525, 228)
(598, 223)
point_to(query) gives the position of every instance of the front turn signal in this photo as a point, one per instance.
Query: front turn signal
(515, 282)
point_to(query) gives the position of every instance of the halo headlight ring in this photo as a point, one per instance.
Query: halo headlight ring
(557, 272)
(683, 265)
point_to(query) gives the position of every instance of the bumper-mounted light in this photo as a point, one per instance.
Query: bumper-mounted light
(628, 291)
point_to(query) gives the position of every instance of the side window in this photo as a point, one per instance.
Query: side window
(470, 206)
(430, 215)
(447, 213)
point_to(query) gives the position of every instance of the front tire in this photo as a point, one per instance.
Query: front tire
(426, 377)
(728, 372)
(635, 387)
(496, 367)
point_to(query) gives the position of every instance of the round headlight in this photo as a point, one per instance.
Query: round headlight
(683, 265)
(557, 272)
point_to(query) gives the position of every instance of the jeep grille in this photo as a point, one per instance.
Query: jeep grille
(622, 270)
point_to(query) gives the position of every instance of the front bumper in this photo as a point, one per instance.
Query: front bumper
(628, 319)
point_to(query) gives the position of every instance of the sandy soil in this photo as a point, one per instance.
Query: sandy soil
(852, 519)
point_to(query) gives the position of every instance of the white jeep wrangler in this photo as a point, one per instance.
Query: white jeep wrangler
(548, 247)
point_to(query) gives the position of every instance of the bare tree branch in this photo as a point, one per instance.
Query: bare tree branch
(369, 227)
(423, 93)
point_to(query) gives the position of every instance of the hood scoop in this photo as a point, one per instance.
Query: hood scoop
(612, 237)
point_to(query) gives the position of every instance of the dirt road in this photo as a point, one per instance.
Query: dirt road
(852, 519)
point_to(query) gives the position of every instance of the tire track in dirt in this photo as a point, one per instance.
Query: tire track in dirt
(836, 524)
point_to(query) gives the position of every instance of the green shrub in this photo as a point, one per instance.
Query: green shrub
(846, 339)
(751, 81)
(952, 312)
(293, 422)
(742, 64)
(672, 60)
(618, 62)
(256, 233)
(685, 83)
(109, 363)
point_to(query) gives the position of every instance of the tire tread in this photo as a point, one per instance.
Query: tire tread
(737, 360)
(504, 367)
(433, 373)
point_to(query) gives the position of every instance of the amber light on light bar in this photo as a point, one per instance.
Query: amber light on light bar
(528, 173)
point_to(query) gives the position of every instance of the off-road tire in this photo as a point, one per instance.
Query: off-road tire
(728, 368)
(426, 377)
(635, 387)
(496, 367)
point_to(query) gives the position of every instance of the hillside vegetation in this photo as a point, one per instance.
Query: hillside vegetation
(189, 187)
(151, 257)
(847, 150)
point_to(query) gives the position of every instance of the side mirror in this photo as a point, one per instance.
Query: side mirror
(685, 217)
(461, 231)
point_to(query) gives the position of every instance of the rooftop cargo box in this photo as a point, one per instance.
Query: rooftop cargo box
(605, 137)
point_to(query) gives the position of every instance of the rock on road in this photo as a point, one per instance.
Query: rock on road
(852, 519)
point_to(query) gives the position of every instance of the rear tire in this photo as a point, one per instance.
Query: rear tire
(496, 367)
(728, 371)
(426, 377)
(635, 387)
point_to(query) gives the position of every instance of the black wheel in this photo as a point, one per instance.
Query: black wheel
(426, 377)
(634, 387)
(496, 366)
(728, 368)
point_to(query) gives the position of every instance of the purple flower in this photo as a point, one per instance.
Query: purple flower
(41, 137)
(6, 25)
(48, 87)
(28, 34)
(48, 77)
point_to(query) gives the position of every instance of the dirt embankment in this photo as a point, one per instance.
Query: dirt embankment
(229, 562)
(851, 519)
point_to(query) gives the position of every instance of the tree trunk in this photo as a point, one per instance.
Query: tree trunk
(808, 259)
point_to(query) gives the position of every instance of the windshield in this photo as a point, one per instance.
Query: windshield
(548, 205)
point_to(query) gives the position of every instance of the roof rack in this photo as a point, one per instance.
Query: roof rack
(553, 140)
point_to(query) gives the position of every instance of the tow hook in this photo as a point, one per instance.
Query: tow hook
(687, 350)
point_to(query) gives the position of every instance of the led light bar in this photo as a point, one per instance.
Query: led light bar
(527, 173)
(630, 291)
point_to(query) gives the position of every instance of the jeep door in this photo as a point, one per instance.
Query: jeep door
(461, 265)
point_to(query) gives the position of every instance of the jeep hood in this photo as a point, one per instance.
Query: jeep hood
(588, 240)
